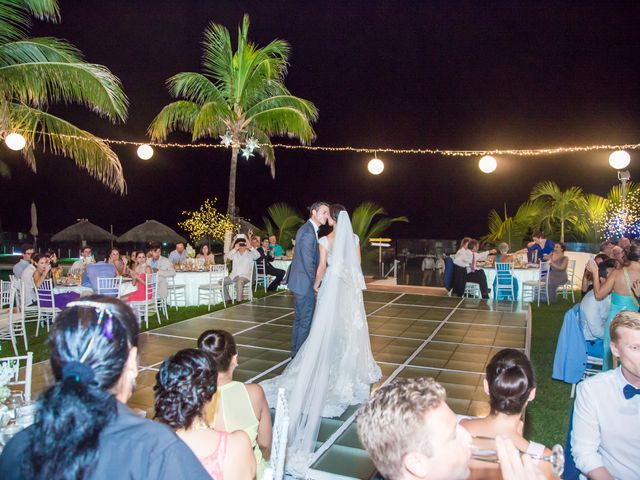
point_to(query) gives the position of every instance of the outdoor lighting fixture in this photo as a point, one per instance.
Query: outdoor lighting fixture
(487, 164)
(619, 159)
(375, 166)
(15, 141)
(145, 152)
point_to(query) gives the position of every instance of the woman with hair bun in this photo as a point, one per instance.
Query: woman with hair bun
(236, 405)
(511, 385)
(184, 389)
(83, 429)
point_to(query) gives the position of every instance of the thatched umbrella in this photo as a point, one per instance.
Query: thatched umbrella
(34, 224)
(150, 231)
(83, 231)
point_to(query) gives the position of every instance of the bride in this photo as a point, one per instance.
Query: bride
(335, 366)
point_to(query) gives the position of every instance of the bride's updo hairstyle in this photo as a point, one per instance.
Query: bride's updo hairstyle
(335, 209)
(511, 379)
(220, 345)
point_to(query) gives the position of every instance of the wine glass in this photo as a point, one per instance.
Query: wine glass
(556, 459)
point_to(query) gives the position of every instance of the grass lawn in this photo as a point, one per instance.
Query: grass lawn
(548, 414)
(38, 345)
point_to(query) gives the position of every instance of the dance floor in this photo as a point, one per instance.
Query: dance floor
(450, 339)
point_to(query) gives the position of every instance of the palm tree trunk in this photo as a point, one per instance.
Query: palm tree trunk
(562, 230)
(231, 204)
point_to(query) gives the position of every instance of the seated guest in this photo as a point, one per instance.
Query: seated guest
(240, 406)
(204, 253)
(503, 255)
(162, 266)
(242, 270)
(179, 255)
(184, 388)
(56, 269)
(25, 261)
(467, 258)
(410, 433)
(594, 312)
(28, 284)
(538, 247)
(43, 272)
(511, 385)
(274, 247)
(606, 423)
(115, 260)
(587, 279)
(83, 428)
(97, 270)
(267, 258)
(139, 273)
(557, 276)
(85, 259)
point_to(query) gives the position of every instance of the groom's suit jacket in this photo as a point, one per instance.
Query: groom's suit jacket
(305, 261)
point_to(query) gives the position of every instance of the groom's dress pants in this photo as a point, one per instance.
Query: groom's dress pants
(303, 305)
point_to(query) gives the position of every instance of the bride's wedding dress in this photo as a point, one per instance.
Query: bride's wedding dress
(335, 367)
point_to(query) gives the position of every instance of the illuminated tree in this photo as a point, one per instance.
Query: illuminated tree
(207, 222)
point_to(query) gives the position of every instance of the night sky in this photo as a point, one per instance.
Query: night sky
(446, 74)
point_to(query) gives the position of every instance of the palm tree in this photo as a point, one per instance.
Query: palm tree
(513, 229)
(37, 72)
(240, 94)
(362, 221)
(591, 221)
(558, 206)
(284, 222)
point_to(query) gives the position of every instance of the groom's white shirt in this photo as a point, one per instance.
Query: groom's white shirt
(315, 227)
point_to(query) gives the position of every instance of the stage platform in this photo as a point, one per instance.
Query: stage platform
(450, 339)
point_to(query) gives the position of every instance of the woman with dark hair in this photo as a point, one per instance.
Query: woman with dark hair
(83, 429)
(619, 284)
(511, 385)
(558, 263)
(115, 260)
(184, 389)
(206, 254)
(237, 405)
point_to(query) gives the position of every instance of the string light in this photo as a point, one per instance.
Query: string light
(527, 152)
(487, 164)
(145, 151)
(15, 141)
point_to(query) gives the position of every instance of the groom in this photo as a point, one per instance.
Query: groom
(303, 274)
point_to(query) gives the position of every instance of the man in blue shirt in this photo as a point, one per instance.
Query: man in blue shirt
(27, 252)
(179, 255)
(97, 270)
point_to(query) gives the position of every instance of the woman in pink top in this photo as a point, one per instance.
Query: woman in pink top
(184, 388)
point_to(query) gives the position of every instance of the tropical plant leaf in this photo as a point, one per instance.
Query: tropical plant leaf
(177, 116)
(362, 221)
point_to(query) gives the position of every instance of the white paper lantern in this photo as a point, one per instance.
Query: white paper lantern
(15, 141)
(145, 152)
(487, 164)
(375, 166)
(619, 159)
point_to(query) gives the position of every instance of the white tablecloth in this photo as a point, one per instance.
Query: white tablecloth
(125, 289)
(191, 281)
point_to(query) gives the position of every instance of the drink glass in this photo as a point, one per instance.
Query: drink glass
(556, 459)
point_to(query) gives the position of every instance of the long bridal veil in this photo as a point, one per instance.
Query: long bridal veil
(334, 368)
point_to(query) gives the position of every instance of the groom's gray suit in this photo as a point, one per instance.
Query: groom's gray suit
(301, 277)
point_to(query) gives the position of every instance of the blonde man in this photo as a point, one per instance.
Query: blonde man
(606, 417)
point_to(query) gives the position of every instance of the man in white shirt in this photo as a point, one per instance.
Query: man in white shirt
(27, 253)
(85, 259)
(243, 258)
(606, 417)
(467, 258)
(163, 267)
(179, 255)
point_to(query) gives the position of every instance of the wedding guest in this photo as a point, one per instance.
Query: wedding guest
(204, 253)
(97, 270)
(115, 260)
(43, 272)
(185, 386)
(511, 385)
(179, 255)
(594, 312)
(240, 406)
(467, 258)
(624, 243)
(25, 261)
(618, 254)
(28, 284)
(162, 266)
(606, 424)
(538, 247)
(85, 259)
(503, 255)
(410, 433)
(619, 284)
(56, 269)
(275, 247)
(587, 279)
(139, 273)
(606, 247)
(267, 258)
(83, 428)
(242, 270)
(557, 276)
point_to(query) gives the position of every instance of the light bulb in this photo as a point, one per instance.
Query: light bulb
(487, 164)
(15, 141)
(375, 166)
(619, 159)
(145, 152)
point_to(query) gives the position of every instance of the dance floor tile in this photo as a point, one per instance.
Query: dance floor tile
(193, 328)
(346, 461)
(383, 297)
(409, 311)
(282, 300)
(267, 336)
(427, 300)
(252, 314)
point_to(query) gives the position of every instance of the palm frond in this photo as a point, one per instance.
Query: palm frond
(217, 60)
(305, 106)
(212, 120)
(43, 9)
(194, 87)
(362, 221)
(87, 84)
(41, 49)
(62, 138)
(177, 116)
(285, 219)
(285, 121)
(266, 149)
